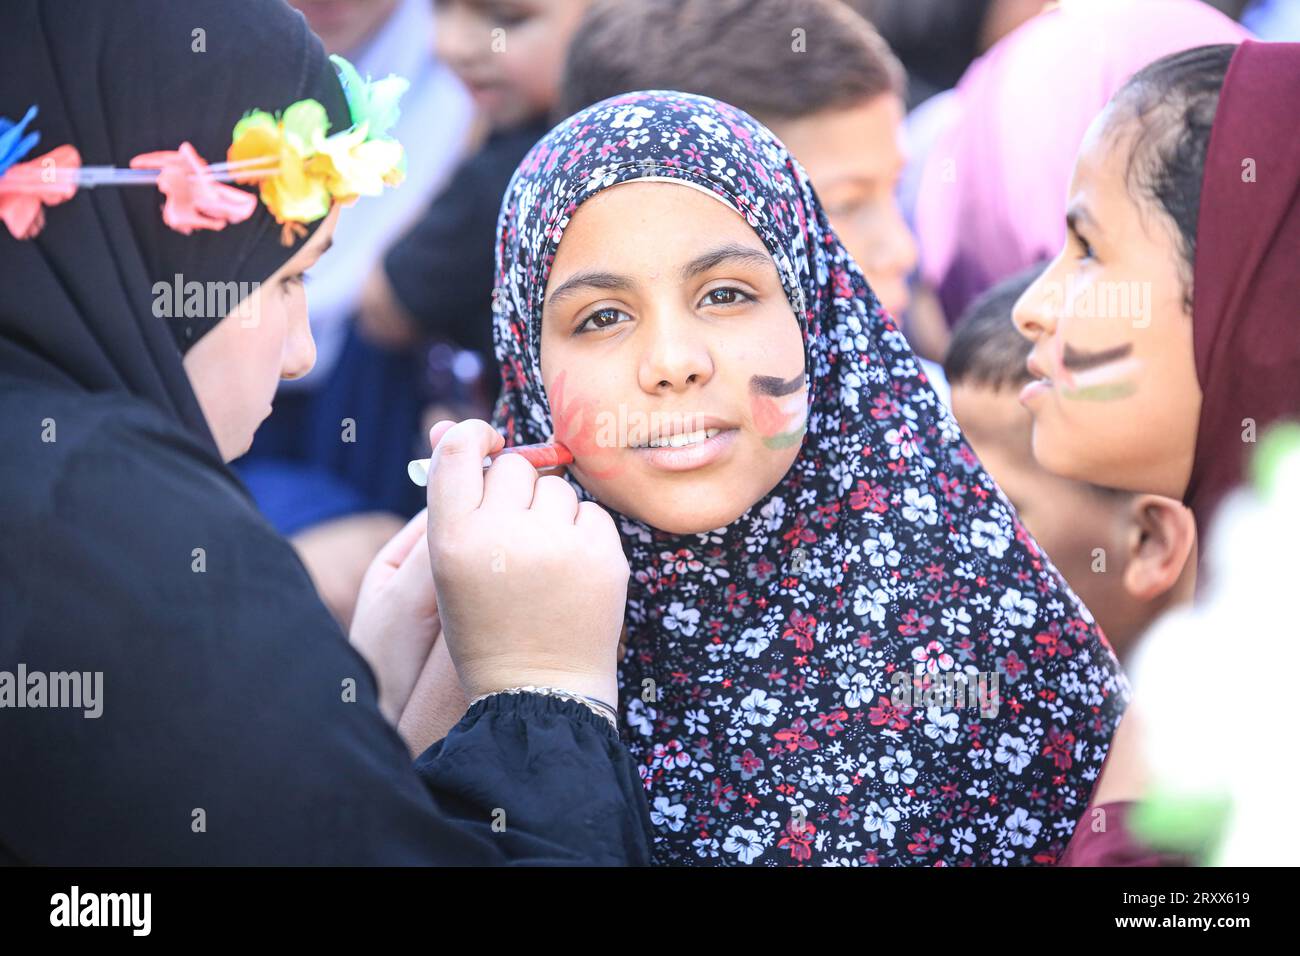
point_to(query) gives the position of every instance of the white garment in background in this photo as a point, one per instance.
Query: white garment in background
(436, 116)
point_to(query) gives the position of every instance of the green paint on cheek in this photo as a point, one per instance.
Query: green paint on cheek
(785, 439)
(1101, 393)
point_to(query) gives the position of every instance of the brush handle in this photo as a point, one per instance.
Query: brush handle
(541, 455)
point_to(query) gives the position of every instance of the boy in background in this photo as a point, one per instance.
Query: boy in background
(1128, 556)
(436, 282)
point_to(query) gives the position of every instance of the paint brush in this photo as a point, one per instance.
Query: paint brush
(549, 454)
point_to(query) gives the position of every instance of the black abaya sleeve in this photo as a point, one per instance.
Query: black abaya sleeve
(238, 726)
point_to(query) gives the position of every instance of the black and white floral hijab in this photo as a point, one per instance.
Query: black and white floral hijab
(874, 664)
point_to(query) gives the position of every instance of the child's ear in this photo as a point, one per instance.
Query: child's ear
(1160, 541)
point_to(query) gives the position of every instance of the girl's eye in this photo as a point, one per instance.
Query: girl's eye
(293, 282)
(724, 296)
(600, 319)
(849, 207)
(503, 15)
(1085, 248)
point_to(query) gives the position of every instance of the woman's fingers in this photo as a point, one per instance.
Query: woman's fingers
(456, 471)
(399, 546)
(508, 484)
(437, 431)
(592, 515)
(416, 574)
(556, 498)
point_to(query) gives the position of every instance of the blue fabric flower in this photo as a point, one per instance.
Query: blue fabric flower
(13, 144)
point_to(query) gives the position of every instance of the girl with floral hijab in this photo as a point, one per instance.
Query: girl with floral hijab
(861, 659)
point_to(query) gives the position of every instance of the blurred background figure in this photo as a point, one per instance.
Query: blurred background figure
(1202, 809)
(327, 466)
(990, 195)
(1128, 556)
(938, 39)
(436, 282)
(1276, 20)
(382, 37)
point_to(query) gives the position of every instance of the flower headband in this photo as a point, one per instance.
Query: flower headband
(299, 168)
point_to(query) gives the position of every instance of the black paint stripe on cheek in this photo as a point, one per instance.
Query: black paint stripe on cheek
(1081, 361)
(774, 386)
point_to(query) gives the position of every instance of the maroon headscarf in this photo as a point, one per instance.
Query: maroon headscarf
(1246, 292)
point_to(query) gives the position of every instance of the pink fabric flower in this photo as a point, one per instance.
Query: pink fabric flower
(22, 207)
(194, 200)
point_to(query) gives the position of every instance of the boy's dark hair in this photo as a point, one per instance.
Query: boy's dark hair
(743, 52)
(986, 348)
(1175, 100)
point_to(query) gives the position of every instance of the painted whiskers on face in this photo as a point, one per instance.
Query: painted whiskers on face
(780, 409)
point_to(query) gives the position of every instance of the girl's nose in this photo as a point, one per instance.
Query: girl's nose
(676, 359)
(896, 252)
(299, 355)
(1034, 312)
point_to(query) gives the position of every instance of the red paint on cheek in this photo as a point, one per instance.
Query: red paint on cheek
(768, 417)
(778, 416)
(576, 419)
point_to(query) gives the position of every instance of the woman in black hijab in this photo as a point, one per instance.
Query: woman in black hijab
(225, 719)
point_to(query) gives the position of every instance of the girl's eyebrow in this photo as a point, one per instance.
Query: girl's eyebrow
(612, 281)
(595, 280)
(323, 248)
(731, 252)
(1077, 216)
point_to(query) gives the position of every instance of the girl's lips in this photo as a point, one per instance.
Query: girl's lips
(689, 457)
(1033, 390)
(483, 91)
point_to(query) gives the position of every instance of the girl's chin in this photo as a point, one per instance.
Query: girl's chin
(677, 524)
(674, 517)
(1058, 453)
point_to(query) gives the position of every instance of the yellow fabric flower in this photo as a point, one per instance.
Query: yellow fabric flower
(298, 191)
(353, 165)
(301, 170)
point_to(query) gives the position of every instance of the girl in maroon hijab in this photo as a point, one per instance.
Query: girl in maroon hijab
(1167, 332)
